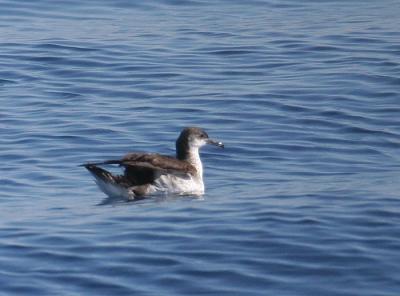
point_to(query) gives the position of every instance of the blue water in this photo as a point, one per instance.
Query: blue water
(305, 95)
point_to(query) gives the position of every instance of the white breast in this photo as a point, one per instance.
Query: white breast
(187, 184)
(182, 184)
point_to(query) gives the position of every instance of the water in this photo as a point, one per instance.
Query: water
(305, 95)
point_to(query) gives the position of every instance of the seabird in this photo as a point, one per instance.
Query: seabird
(149, 173)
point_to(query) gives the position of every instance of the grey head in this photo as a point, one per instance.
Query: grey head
(191, 139)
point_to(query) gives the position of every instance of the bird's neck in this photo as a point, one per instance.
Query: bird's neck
(192, 156)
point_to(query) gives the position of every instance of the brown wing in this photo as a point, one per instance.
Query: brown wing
(141, 168)
(157, 162)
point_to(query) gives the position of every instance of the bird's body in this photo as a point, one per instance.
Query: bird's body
(150, 173)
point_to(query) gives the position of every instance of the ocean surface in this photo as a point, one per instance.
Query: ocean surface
(304, 199)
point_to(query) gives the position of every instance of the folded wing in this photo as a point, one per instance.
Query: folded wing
(158, 162)
(142, 168)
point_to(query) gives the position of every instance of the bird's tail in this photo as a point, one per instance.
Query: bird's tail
(100, 173)
(112, 185)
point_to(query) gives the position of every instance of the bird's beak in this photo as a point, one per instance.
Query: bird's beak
(215, 143)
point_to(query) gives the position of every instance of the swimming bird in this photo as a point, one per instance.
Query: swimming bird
(149, 173)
